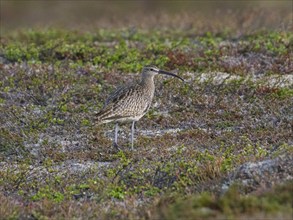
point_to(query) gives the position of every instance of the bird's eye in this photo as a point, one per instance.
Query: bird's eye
(152, 69)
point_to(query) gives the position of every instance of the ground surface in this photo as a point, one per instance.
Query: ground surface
(217, 146)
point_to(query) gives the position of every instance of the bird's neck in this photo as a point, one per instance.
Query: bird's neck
(148, 81)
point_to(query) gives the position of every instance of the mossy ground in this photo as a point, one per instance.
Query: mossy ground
(234, 108)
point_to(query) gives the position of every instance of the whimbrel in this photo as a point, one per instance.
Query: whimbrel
(131, 102)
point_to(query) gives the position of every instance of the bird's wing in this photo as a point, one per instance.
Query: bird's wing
(118, 93)
(116, 101)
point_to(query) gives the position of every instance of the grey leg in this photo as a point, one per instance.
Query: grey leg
(132, 134)
(116, 136)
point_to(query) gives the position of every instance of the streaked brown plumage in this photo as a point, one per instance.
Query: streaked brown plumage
(131, 102)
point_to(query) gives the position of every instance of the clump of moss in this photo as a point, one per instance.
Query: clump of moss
(231, 204)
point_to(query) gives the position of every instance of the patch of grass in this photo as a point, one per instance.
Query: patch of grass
(47, 193)
(54, 157)
(283, 93)
(229, 205)
(128, 51)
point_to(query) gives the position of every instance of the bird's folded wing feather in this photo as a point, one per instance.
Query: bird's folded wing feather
(115, 100)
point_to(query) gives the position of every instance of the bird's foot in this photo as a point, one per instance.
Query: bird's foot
(117, 147)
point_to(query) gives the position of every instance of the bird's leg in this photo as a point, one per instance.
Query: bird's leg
(116, 136)
(132, 134)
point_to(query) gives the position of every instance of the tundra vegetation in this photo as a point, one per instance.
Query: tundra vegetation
(217, 146)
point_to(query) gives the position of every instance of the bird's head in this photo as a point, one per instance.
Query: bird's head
(150, 71)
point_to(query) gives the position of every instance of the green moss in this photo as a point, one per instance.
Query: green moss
(125, 54)
(48, 193)
(230, 205)
(117, 192)
(283, 93)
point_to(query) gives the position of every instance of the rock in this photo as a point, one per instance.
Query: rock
(265, 174)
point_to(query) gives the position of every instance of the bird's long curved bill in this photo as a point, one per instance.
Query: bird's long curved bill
(170, 74)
